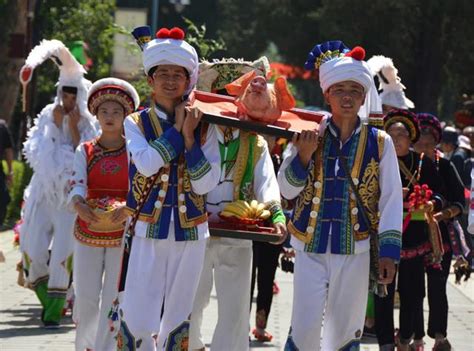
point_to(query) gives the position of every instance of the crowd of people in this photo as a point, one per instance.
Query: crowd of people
(373, 200)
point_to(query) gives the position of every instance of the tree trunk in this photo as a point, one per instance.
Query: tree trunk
(9, 84)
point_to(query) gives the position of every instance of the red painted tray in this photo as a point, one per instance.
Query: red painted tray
(220, 109)
(245, 232)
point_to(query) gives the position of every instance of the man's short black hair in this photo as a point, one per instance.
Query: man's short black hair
(69, 90)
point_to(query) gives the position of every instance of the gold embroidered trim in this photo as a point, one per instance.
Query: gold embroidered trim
(306, 196)
(184, 186)
(370, 193)
(304, 237)
(380, 142)
(241, 162)
(139, 180)
(136, 118)
(368, 189)
(355, 173)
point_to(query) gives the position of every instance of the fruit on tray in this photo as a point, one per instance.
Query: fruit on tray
(243, 210)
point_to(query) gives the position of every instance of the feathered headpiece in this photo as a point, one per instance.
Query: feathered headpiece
(390, 83)
(71, 72)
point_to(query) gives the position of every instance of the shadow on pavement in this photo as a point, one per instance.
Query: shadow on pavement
(26, 322)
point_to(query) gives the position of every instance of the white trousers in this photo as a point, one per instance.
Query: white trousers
(96, 271)
(333, 286)
(161, 273)
(231, 268)
(49, 224)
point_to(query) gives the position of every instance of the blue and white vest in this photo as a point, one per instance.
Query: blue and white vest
(171, 192)
(327, 203)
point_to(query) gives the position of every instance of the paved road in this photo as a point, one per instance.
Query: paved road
(20, 312)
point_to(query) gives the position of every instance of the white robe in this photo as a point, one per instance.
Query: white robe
(228, 262)
(50, 152)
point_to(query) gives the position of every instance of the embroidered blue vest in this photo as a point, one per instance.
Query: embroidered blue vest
(327, 203)
(171, 193)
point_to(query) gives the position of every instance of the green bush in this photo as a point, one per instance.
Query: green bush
(21, 177)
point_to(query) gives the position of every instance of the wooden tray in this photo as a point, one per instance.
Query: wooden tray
(256, 233)
(221, 110)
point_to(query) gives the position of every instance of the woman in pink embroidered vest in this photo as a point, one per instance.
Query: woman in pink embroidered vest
(98, 191)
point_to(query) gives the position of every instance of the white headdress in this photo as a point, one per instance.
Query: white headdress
(169, 48)
(71, 72)
(390, 83)
(336, 63)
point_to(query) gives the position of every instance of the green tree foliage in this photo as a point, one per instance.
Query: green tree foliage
(7, 7)
(196, 37)
(430, 41)
(21, 177)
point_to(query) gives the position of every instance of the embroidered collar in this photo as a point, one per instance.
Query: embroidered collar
(162, 114)
(334, 130)
(220, 134)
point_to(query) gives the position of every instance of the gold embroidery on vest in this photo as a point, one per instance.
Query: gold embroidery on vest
(355, 173)
(184, 185)
(311, 191)
(241, 162)
(139, 180)
(138, 186)
(369, 190)
(308, 194)
(136, 118)
(380, 142)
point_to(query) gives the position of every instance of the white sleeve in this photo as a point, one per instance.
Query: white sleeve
(204, 163)
(291, 176)
(147, 159)
(78, 182)
(390, 203)
(265, 183)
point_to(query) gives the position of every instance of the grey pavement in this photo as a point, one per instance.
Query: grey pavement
(20, 314)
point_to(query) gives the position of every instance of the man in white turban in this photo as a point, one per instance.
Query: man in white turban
(173, 164)
(346, 225)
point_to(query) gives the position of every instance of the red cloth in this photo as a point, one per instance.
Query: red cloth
(107, 171)
(107, 176)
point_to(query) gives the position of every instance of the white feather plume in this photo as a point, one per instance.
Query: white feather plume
(389, 82)
(70, 69)
(49, 48)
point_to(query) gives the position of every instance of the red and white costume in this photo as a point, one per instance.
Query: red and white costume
(99, 173)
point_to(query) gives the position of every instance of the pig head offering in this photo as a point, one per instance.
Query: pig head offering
(258, 100)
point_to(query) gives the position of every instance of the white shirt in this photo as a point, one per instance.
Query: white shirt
(265, 185)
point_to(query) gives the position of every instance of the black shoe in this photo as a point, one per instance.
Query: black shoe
(51, 325)
(442, 346)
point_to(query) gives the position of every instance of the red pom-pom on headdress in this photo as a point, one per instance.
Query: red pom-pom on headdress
(357, 53)
(163, 33)
(173, 33)
(177, 33)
